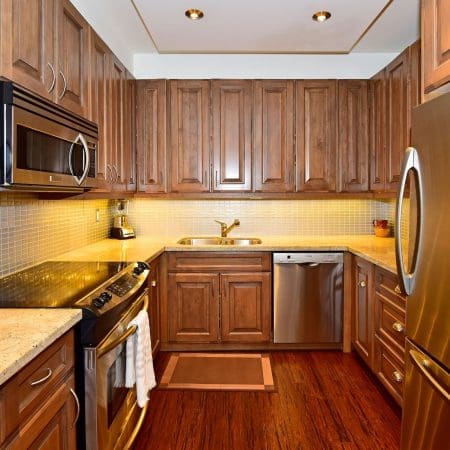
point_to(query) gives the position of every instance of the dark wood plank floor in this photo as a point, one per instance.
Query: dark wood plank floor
(324, 400)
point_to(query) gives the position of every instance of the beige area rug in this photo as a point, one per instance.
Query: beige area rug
(218, 371)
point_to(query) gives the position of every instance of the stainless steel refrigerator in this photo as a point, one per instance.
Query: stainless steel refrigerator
(423, 263)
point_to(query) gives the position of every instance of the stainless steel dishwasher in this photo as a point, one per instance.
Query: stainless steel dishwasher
(308, 293)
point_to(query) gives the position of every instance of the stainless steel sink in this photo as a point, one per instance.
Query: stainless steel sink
(219, 241)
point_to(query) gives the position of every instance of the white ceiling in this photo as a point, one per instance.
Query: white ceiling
(139, 27)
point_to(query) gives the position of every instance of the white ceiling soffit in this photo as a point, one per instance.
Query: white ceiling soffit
(285, 26)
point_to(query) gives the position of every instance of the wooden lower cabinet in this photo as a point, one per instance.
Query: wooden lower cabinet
(362, 329)
(38, 406)
(218, 299)
(154, 306)
(389, 327)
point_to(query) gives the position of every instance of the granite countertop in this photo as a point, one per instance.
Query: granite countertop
(24, 333)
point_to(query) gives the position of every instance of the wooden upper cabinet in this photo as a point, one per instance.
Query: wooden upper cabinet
(73, 56)
(435, 43)
(377, 131)
(45, 48)
(353, 135)
(232, 135)
(27, 44)
(397, 119)
(128, 151)
(151, 135)
(316, 129)
(273, 127)
(99, 110)
(189, 135)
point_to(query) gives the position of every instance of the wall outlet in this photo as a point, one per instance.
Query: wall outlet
(97, 215)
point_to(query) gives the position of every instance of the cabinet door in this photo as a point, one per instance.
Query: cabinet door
(189, 135)
(362, 309)
(53, 426)
(274, 135)
(316, 135)
(117, 102)
(245, 307)
(99, 110)
(151, 135)
(154, 308)
(435, 43)
(193, 303)
(232, 135)
(128, 153)
(377, 131)
(353, 136)
(27, 44)
(73, 56)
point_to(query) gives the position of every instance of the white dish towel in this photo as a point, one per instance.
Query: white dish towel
(139, 362)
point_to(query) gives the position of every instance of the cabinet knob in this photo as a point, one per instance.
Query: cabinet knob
(362, 284)
(398, 327)
(397, 289)
(153, 283)
(398, 376)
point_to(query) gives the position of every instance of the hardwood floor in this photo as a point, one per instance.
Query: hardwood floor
(323, 400)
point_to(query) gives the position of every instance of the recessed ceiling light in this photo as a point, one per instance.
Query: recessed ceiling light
(194, 14)
(321, 16)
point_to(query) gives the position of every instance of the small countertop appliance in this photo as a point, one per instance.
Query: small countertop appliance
(121, 228)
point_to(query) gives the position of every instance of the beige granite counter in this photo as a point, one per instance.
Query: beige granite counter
(24, 333)
(377, 250)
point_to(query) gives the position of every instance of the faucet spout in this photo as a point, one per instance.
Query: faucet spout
(225, 229)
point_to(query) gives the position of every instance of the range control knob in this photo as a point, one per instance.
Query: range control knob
(98, 302)
(140, 267)
(105, 296)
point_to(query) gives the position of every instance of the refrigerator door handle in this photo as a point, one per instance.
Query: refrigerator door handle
(410, 163)
(431, 371)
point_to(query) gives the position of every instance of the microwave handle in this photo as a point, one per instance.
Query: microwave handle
(80, 138)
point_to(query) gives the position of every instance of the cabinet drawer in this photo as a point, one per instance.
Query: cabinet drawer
(219, 262)
(389, 369)
(31, 387)
(390, 323)
(386, 283)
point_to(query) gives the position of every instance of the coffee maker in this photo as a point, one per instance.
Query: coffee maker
(121, 229)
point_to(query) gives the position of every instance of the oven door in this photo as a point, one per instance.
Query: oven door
(112, 417)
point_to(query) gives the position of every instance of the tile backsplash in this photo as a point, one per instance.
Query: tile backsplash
(33, 230)
(258, 217)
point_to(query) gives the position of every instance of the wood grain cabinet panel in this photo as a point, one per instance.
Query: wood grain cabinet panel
(154, 309)
(128, 150)
(353, 135)
(397, 118)
(316, 135)
(151, 135)
(27, 44)
(435, 43)
(245, 311)
(232, 135)
(273, 128)
(193, 305)
(189, 135)
(73, 58)
(362, 335)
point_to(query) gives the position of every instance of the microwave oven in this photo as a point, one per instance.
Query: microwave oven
(44, 146)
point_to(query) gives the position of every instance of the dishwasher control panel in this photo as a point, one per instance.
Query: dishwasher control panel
(305, 257)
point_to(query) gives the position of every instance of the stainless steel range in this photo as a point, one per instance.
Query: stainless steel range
(110, 295)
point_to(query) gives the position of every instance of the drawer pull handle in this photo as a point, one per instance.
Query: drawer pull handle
(153, 283)
(77, 403)
(362, 284)
(398, 327)
(398, 377)
(397, 289)
(44, 378)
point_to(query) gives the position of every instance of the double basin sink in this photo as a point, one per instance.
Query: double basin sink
(219, 241)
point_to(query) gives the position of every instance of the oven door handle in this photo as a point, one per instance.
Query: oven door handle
(130, 331)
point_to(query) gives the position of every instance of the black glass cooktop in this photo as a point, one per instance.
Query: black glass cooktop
(55, 284)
